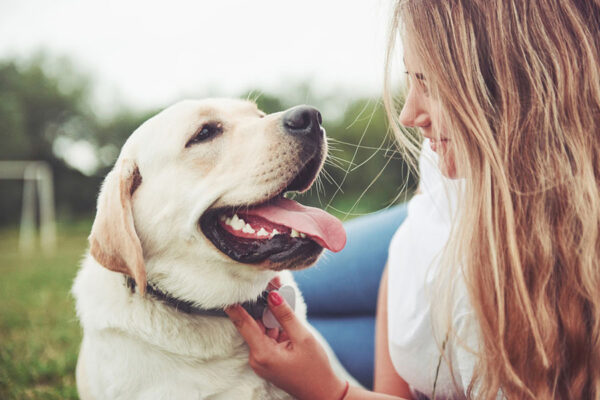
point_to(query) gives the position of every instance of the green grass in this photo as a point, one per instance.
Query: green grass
(39, 332)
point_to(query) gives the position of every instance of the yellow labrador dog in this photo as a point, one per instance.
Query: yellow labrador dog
(192, 219)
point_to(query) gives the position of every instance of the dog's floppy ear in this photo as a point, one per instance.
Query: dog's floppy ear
(113, 241)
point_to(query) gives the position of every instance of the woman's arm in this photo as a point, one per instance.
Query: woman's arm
(293, 361)
(386, 378)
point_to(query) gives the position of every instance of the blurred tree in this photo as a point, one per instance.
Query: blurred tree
(267, 102)
(45, 114)
(34, 104)
(112, 133)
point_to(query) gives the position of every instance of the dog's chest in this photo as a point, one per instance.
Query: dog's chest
(125, 367)
(136, 348)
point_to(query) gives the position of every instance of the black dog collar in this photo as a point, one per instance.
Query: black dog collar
(255, 308)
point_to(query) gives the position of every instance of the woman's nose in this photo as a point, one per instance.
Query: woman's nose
(414, 112)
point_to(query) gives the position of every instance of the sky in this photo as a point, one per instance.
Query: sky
(147, 54)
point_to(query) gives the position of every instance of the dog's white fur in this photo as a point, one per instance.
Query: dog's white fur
(135, 347)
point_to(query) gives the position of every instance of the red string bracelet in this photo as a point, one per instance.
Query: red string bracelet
(345, 390)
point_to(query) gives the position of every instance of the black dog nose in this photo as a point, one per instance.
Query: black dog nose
(303, 120)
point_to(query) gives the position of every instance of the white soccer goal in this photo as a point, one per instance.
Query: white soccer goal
(34, 174)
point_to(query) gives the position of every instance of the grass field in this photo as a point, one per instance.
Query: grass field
(39, 333)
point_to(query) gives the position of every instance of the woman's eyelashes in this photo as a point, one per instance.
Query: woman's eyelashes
(422, 82)
(418, 80)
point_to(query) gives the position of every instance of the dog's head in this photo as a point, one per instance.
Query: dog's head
(198, 190)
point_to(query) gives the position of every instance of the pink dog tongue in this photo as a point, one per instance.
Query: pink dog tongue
(323, 228)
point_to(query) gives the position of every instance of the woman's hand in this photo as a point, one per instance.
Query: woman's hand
(292, 359)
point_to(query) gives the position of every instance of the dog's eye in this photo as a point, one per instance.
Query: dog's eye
(205, 132)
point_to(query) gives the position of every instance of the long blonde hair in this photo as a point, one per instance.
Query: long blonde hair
(519, 84)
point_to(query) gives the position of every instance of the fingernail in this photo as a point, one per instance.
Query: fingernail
(275, 299)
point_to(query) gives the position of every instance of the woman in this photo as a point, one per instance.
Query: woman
(508, 94)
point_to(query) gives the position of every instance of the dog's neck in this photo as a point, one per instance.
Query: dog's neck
(255, 307)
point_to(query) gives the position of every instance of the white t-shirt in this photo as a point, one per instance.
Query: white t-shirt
(413, 260)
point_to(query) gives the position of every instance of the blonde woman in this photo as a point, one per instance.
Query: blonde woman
(507, 93)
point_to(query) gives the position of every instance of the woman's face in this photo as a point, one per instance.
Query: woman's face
(422, 111)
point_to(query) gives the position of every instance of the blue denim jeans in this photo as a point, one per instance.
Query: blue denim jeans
(341, 290)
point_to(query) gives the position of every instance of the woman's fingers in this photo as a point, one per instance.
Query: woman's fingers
(254, 332)
(275, 284)
(298, 365)
(273, 333)
(291, 325)
(283, 337)
(247, 326)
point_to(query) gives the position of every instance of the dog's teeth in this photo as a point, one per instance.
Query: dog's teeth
(294, 233)
(237, 223)
(302, 235)
(262, 232)
(248, 229)
(223, 218)
(275, 232)
(228, 221)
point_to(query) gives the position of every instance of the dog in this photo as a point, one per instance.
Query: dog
(192, 219)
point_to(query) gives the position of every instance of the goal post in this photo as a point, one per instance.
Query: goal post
(35, 175)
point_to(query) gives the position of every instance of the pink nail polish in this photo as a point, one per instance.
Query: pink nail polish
(275, 299)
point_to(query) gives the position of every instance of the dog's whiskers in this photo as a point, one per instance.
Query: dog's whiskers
(330, 179)
(354, 155)
(368, 187)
